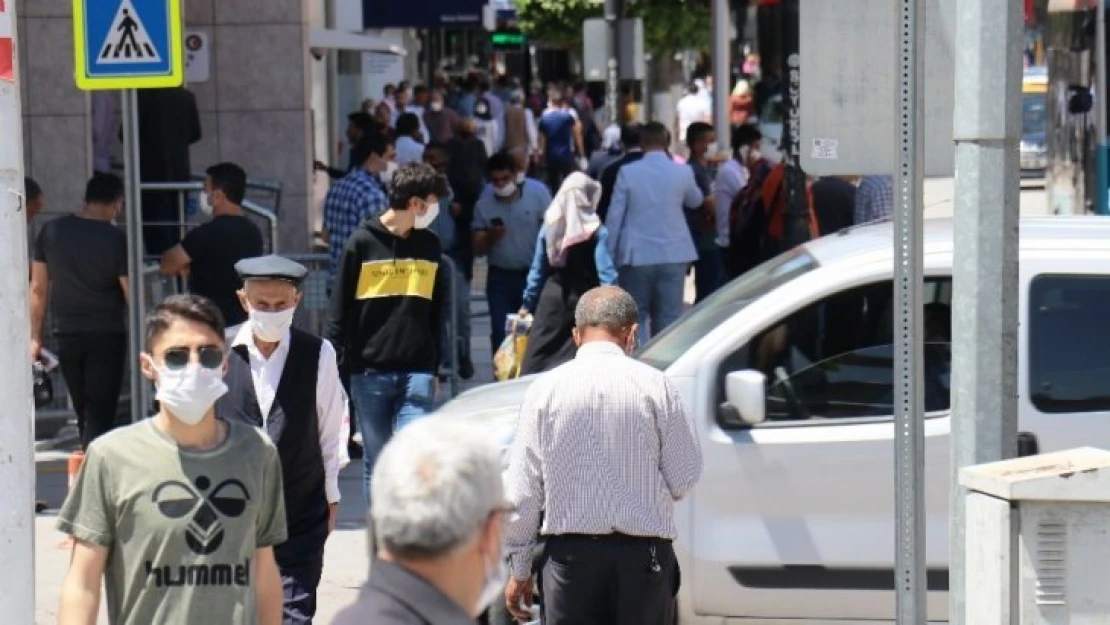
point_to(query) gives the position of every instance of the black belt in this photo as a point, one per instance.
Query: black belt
(615, 537)
(496, 268)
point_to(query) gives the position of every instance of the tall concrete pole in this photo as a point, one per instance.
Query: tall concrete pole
(722, 62)
(614, 9)
(987, 129)
(17, 477)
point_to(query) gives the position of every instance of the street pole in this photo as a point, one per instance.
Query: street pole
(17, 478)
(1102, 149)
(796, 219)
(909, 412)
(722, 62)
(613, 12)
(140, 402)
(987, 125)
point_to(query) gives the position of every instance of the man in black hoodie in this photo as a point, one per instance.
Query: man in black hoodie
(385, 310)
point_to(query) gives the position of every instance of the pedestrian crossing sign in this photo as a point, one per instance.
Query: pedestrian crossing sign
(128, 44)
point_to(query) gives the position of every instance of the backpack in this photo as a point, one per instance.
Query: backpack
(748, 221)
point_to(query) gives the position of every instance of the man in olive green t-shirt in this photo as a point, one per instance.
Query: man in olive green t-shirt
(178, 514)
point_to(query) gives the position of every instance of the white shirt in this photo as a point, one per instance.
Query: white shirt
(331, 401)
(409, 150)
(691, 108)
(603, 445)
(732, 178)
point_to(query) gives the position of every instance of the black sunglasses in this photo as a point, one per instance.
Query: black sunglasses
(209, 356)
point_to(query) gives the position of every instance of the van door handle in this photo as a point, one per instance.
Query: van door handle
(1027, 444)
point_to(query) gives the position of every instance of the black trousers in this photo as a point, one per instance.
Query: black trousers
(298, 584)
(93, 366)
(608, 580)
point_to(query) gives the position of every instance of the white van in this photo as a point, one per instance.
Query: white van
(793, 520)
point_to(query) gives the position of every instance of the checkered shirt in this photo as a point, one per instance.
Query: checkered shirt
(874, 199)
(354, 198)
(603, 445)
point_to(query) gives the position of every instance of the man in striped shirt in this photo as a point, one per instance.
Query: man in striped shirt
(603, 449)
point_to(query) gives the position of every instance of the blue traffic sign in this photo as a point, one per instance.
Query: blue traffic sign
(128, 44)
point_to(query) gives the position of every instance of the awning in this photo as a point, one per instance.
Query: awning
(422, 13)
(342, 40)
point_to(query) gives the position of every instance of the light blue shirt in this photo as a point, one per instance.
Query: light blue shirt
(646, 221)
(444, 223)
(522, 216)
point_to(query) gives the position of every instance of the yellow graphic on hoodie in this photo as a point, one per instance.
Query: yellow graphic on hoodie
(396, 278)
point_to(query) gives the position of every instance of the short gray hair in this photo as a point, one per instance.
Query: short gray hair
(608, 307)
(433, 488)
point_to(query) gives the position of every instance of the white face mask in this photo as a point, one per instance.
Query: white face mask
(494, 588)
(189, 393)
(756, 156)
(520, 178)
(436, 106)
(204, 202)
(505, 191)
(424, 221)
(272, 326)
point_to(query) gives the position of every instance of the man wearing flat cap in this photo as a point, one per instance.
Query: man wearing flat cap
(286, 382)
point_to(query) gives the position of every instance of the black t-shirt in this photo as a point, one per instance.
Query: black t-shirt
(214, 248)
(85, 259)
(834, 201)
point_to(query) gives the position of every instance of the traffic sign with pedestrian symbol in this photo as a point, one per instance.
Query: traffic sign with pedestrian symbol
(128, 44)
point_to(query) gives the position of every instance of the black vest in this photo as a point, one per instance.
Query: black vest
(294, 426)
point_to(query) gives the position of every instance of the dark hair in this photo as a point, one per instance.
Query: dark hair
(745, 135)
(389, 89)
(501, 161)
(415, 180)
(407, 124)
(692, 88)
(31, 190)
(696, 131)
(630, 135)
(229, 178)
(189, 307)
(370, 143)
(103, 189)
(437, 146)
(419, 90)
(363, 121)
(654, 134)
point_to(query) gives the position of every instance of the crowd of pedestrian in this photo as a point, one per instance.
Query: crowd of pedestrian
(222, 502)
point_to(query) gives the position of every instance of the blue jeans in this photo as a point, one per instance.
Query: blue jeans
(658, 291)
(385, 402)
(709, 273)
(505, 296)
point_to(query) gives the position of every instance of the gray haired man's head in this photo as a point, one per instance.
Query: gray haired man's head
(435, 488)
(605, 313)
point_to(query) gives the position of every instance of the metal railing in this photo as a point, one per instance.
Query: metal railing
(183, 189)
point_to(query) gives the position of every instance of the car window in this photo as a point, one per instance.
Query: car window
(1034, 113)
(835, 358)
(1069, 343)
(725, 302)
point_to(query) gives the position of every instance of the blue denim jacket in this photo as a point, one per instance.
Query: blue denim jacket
(541, 268)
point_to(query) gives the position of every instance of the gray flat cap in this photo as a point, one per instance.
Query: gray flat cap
(271, 267)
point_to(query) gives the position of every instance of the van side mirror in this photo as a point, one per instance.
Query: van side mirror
(745, 400)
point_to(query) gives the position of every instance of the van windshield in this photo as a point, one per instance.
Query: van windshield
(673, 342)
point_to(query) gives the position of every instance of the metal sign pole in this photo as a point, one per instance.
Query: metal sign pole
(909, 425)
(722, 65)
(614, 10)
(140, 389)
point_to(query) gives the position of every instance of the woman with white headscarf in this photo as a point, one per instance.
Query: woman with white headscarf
(571, 258)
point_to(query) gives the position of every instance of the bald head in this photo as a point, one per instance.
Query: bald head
(607, 308)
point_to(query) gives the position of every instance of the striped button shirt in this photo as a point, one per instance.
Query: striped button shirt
(603, 445)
